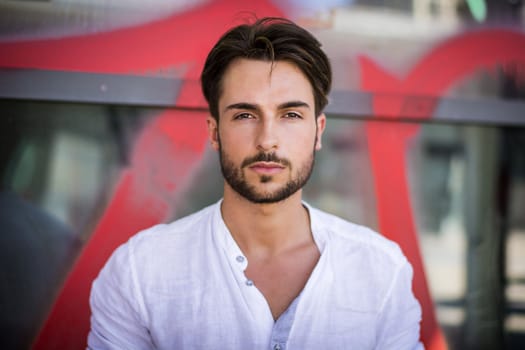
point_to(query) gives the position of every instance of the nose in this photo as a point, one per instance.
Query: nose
(267, 139)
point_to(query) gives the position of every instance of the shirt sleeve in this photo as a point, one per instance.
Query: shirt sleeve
(116, 322)
(399, 321)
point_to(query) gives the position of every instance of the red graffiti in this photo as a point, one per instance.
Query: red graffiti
(164, 157)
(448, 63)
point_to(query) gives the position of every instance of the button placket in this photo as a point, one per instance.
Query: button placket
(241, 260)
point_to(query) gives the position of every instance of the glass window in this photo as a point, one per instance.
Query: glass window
(58, 163)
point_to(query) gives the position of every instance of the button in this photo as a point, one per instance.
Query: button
(277, 347)
(240, 258)
(249, 283)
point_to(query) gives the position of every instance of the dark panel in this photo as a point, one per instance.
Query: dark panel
(88, 87)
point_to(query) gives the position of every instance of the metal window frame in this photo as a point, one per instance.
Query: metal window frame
(162, 92)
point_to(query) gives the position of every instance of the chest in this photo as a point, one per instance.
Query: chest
(192, 312)
(203, 322)
(282, 278)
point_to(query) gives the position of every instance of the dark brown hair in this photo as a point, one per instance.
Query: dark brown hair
(269, 39)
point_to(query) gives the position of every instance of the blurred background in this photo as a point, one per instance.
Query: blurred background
(102, 134)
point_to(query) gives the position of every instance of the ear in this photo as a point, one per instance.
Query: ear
(321, 124)
(213, 132)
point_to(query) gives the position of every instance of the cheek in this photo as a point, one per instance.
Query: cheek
(233, 146)
(301, 149)
(236, 138)
(304, 140)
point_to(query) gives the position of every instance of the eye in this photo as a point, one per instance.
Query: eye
(292, 115)
(243, 116)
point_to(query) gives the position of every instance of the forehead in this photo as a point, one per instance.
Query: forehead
(257, 81)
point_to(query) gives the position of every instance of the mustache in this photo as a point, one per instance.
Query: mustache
(265, 157)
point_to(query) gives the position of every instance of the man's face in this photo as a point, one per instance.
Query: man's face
(268, 133)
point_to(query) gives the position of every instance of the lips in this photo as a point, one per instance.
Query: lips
(266, 168)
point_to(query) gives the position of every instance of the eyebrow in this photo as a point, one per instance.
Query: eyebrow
(293, 104)
(254, 107)
(241, 105)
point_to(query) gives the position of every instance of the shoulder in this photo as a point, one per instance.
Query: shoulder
(361, 260)
(178, 232)
(165, 244)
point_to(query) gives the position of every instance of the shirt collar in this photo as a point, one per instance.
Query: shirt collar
(316, 227)
(232, 248)
(226, 241)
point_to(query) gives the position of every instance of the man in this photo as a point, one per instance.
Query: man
(260, 269)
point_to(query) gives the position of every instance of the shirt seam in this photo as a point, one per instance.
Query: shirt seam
(136, 290)
(391, 286)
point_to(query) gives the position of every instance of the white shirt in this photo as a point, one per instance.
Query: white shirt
(182, 286)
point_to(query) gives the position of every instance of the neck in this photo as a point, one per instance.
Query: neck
(266, 229)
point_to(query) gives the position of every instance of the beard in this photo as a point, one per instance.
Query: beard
(235, 177)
